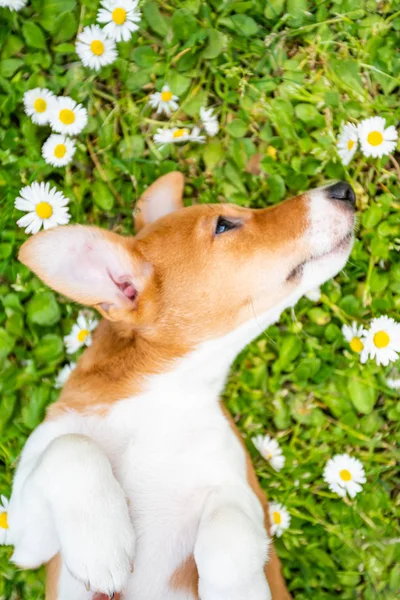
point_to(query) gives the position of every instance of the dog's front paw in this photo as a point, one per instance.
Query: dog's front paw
(98, 548)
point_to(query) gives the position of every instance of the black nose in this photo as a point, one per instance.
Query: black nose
(342, 191)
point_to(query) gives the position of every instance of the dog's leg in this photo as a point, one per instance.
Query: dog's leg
(231, 547)
(72, 492)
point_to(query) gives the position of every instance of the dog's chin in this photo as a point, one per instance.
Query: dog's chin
(322, 268)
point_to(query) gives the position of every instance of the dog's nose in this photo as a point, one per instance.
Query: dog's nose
(342, 191)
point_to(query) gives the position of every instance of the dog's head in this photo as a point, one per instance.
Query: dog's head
(198, 273)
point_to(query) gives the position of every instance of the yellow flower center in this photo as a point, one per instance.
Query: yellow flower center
(179, 133)
(375, 138)
(97, 47)
(3, 520)
(40, 105)
(82, 335)
(166, 96)
(356, 344)
(350, 144)
(345, 475)
(67, 116)
(119, 16)
(269, 456)
(44, 210)
(381, 339)
(276, 517)
(60, 150)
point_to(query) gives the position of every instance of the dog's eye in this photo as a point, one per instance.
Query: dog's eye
(223, 224)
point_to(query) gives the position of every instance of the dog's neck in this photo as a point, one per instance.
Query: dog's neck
(112, 370)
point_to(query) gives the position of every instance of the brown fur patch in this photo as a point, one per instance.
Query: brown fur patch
(53, 569)
(186, 577)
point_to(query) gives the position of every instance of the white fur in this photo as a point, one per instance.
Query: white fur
(175, 458)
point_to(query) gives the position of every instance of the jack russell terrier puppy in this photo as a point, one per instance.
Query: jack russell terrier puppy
(137, 483)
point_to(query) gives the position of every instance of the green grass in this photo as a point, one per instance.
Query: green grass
(281, 74)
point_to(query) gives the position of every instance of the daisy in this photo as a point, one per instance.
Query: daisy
(94, 48)
(63, 375)
(347, 142)
(38, 103)
(45, 206)
(280, 518)
(176, 135)
(382, 341)
(375, 140)
(314, 295)
(13, 5)
(67, 117)
(3, 520)
(164, 101)
(343, 473)
(121, 17)
(393, 383)
(81, 333)
(58, 150)
(270, 450)
(353, 334)
(210, 121)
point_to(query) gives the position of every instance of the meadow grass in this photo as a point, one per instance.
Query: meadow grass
(283, 76)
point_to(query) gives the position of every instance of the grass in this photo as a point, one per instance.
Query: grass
(283, 76)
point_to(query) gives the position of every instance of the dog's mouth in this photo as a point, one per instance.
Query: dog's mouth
(341, 246)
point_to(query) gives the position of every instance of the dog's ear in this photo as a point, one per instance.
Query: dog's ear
(89, 265)
(161, 198)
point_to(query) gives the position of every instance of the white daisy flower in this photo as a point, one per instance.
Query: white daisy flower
(63, 375)
(94, 48)
(177, 135)
(3, 520)
(314, 295)
(13, 4)
(382, 341)
(210, 121)
(270, 450)
(81, 333)
(280, 518)
(353, 334)
(347, 142)
(375, 140)
(58, 150)
(393, 382)
(164, 101)
(67, 117)
(344, 474)
(45, 206)
(38, 103)
(121, 17)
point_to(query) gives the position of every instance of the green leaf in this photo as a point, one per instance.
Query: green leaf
(49, 349)
(348, 74)
(363, 393)
(213, 154)
(43, 309)
(65, 27)
(216, 44)
(33, 35)
(307, 112)
(6, 343)
(237, 128)
(277, 188)
(52, 9)
(144, 56)
(244, 25)
(8, 66)
(178, 83)
(183, 24)
(289, 350)
(155, 19)
(102, 196)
